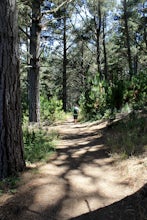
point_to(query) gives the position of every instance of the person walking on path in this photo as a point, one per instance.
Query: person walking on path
(75, 113)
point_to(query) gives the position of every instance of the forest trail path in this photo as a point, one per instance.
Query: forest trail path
(79, 178)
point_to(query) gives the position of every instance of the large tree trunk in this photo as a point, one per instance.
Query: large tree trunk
(33, 77)
(11, 141)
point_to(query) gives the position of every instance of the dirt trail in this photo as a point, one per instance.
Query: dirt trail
(79, 178)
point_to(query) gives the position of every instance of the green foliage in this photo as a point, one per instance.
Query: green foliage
(38, 144)
(9, 185)
(136, 91)
(103, 99)
(93, 101)
(24, 104)
(116, 94)
(24, 93)
(128, 137)
(51, 110)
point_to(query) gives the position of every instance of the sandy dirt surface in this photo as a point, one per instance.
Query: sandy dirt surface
(80, 181)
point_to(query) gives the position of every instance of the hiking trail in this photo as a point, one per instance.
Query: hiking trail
(80, 177)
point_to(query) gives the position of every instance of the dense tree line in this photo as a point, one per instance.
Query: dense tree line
(82, 39)
(85, 40)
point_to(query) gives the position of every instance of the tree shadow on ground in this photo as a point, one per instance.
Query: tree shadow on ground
(19, 206)
(91, 146)
(88, 148)
(133, 207)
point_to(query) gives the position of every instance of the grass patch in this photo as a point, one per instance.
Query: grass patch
(129, 136)
(9, 185)
(38, 144)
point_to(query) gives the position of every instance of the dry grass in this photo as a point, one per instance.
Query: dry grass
(134, 171)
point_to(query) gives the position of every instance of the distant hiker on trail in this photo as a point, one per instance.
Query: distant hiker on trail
(75, 113)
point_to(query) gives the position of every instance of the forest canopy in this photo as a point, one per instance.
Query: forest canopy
(91, 52)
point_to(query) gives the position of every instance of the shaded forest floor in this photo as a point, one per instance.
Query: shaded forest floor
(80, 181)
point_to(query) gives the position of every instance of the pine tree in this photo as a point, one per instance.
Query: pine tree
(11, 143)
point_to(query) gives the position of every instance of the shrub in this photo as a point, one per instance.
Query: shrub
(51, 110)
(93, 100)
(9, 185)
(104, 98)
(38, 144)
(136, 90)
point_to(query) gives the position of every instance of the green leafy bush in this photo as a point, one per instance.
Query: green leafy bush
(104, 98)
(136, 91)
(38, 144)
(51, 110)
(93, 101)
(9, 185)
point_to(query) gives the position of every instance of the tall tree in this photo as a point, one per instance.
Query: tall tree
(100, 13)
(34, 73)
(60, 35)
(33, 76)
(98, 26)
(104, 48)
(127, 36)
(11, 143)
(64, 98)
(95, 8)
(144, 21)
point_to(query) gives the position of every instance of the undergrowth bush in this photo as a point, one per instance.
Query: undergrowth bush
(9, 185)
(136, 91)
(93, 100)
(38, 144)
(128, 137)
(103, 98)
(51, 110)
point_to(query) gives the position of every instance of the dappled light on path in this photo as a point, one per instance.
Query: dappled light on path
(79, 178)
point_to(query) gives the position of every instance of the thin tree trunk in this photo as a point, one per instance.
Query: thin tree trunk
(64, 66)
(98, 31)
(11, 141)
(127, 38)
(145, 31)
(82, 65)
(135, 59)
(33, 76)
(104, 49)
(82, 72)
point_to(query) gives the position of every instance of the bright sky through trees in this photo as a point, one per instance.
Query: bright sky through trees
(118, 1)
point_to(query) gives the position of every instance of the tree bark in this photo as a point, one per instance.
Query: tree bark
(33, 76)
(104, 50)
(82, 72)
(127, 38)
(11, 141)
(98, 24)
(64, 99)
(145, 31)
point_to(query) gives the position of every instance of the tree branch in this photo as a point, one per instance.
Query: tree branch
(57, 8)
(21, 29)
